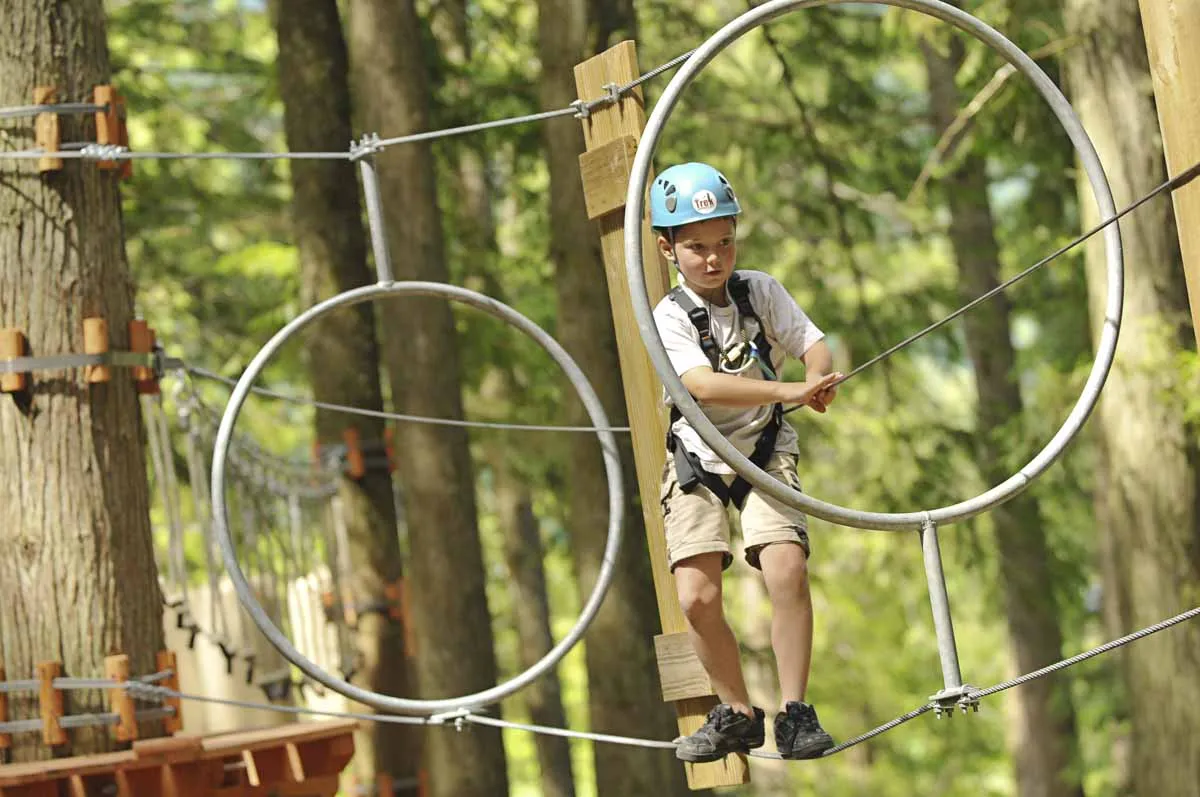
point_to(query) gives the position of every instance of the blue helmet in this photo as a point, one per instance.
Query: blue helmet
(691, 192)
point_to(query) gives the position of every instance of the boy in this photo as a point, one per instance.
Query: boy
(726, 334)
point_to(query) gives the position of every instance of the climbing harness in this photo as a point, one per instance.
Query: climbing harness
(757, 350)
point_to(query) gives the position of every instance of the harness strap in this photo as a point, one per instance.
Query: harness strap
(739, 289)
(700, 320)
(688, 469)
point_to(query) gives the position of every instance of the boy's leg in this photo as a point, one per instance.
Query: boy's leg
(776, 538)
(698, 583)
(697, 529)
(733, 726)
(785, 571)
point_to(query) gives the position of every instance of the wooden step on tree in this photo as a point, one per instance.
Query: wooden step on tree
(297, 760)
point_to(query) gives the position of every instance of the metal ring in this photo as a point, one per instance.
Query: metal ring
(634, 210)
(612, 471)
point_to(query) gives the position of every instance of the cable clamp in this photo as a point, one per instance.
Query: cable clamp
(102, 152)
(368, 145)
(612, 95)
(961, 696)
(458, 715)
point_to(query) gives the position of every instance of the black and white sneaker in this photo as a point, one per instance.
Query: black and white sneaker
(798, 733)
(724, 731)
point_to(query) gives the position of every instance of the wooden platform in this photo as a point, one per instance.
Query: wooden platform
(298, 760)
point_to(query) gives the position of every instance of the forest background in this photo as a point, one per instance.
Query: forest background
(889, 170)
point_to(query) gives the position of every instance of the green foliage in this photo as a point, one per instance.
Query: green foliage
(822, 124)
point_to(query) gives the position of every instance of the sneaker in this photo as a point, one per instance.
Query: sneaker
(798, 733)
(724, 731)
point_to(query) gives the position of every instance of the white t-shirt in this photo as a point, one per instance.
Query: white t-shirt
(790, 332)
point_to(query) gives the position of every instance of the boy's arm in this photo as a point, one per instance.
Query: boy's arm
(818, 361)
(735, 391)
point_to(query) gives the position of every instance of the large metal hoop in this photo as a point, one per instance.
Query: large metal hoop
(1106, 347)
(612, 471)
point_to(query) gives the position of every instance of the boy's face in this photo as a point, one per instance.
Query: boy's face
(706, 252)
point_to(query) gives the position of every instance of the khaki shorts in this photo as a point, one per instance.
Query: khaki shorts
(697, 522)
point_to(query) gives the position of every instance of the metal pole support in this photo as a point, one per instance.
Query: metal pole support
(370, 181)
(953, 690)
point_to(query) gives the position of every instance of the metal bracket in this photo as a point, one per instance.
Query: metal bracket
(583, 108)
(64, 362)
(961, 696)
(368, 145)
(459, 717)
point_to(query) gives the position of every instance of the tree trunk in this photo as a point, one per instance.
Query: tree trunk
(623, 687)
(343, 352)
(447, 580)
(1045, 734)
(524, 555)
(78, 579)
(611, 21)
(1147, 510)
(523, 552)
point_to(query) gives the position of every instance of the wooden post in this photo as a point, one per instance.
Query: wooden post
(5, 738)
(46, 129)
(611, 135)
(116, 668)
(50, 701)
(165, 660)
(1172, 31)
(95, 341)
(12, 346)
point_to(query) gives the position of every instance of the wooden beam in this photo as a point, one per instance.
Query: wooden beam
(1172, 31)
(643, 390)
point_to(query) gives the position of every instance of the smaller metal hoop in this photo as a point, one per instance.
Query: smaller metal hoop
(612, 472)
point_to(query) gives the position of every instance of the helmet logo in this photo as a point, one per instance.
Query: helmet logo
(704, 201)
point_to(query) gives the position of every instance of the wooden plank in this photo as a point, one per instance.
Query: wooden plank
(679, 669)
(268, 737)
(175, 747)
(1172, 30)
(643, 390)
(34, 771)
(605, 175)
